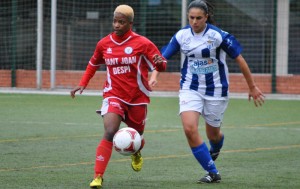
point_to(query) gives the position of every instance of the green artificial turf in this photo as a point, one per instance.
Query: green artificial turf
(49, 141)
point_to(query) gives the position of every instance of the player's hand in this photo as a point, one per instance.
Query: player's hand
(257, 95)
(153, 79)
(152, 82)
(78, 88)
(157, 59)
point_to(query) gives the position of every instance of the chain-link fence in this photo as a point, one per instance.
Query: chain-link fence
(80, 24)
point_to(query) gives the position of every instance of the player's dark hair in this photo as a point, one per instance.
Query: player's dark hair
(206, 6)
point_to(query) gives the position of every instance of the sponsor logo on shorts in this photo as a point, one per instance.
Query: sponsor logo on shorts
(115, 104)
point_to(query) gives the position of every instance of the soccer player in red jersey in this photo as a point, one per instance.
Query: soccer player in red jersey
(128, 57)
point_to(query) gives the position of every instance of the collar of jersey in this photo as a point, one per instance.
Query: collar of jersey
(120, 39)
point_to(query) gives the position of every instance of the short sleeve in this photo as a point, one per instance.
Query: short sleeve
(231, 46)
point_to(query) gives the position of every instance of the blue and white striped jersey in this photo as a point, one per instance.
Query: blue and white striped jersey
(204, 68)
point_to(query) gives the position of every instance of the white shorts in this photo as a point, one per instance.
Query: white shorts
(211, 108)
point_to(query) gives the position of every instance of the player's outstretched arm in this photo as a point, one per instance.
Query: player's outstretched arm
(77, 88)
(254, 91)
(88, 74)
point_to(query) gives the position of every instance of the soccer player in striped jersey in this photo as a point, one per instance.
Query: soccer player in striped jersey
(204, 82)
(128, 57)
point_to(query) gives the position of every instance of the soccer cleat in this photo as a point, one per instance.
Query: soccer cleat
(210, 178)
(137, 161)
(96, 183)
(214, 155)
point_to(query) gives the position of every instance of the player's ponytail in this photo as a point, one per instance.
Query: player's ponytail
(205, 5)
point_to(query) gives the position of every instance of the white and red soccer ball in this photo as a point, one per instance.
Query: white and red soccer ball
(127, 141)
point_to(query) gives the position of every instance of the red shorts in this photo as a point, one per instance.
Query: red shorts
(133, 115)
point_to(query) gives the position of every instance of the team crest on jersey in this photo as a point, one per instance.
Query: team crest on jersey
(109, 51)
(128, 50)
(186, 42)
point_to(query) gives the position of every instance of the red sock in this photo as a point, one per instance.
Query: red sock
(103, 154)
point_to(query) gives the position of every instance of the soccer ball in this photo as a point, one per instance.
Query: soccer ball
(127, 141)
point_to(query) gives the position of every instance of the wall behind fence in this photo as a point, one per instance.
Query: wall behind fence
(168, 81)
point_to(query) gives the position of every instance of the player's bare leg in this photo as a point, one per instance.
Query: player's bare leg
(112, 123)
(190, 121)
(216, 139)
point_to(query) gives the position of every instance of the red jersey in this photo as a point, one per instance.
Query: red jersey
(128, 59)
